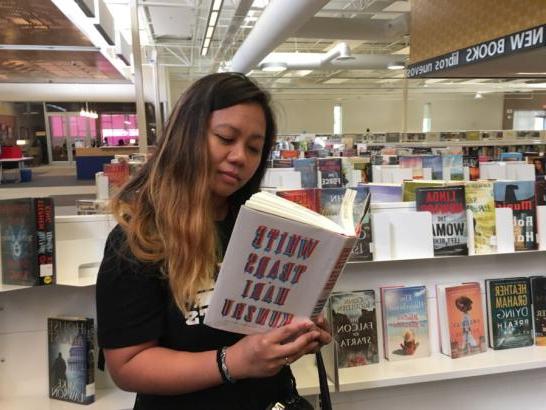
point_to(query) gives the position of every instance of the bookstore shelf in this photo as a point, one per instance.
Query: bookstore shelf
(441, 367)
(10, 288)
(428, 144)
(304, 370)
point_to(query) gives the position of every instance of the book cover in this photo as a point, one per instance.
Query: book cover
(460, 314)
(289, 153)
(510, 320)
(27, 241)
(354, 328)
(540, 166)
(415, 162)
(538, 301)
(283, 163)
(309, 198)
(330, 172)
(454, 163)
(409, 187)
(405, 322)
(473, 165)
(434, 162)
(447, 206)
(309, 172)
(384, 192)
(480, 200)
(275, 269)
(118, 175)
(332, 198)
(520, 197)
(71, 358)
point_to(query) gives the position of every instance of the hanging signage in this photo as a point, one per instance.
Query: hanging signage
(502, 46)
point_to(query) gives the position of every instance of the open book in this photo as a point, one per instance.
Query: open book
(281, 264)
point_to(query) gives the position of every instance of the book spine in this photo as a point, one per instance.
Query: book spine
(90, 378)
(332, 279)
(44, 241)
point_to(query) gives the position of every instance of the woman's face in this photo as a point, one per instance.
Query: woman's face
(236, 139)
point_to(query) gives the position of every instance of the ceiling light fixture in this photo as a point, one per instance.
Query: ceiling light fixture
(478, 95)
(214, 12)
(396, 66)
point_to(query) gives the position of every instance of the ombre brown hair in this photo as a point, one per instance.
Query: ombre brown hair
(166, 210)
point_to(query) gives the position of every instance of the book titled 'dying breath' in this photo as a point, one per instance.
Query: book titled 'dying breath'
(280, 266)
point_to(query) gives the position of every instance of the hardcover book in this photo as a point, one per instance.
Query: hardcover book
(520, 197)
(283, 163)
(354, 331)
(384, 192)
(309, 172)
(71, 355)
(480, 200)
(27, 240)
(447, 206)
(281, 264)
(460, 316)
(509, 316)
(330, 172)
(538, 300)
(405, 322)
(332, 198)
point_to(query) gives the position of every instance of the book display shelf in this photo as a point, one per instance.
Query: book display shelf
(24, 312)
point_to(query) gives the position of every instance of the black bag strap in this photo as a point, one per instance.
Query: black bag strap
(325, 402)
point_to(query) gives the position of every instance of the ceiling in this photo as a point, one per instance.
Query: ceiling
(176, 29)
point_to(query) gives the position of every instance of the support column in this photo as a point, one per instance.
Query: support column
(139, 86)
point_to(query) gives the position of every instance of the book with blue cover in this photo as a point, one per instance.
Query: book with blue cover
(405, 322)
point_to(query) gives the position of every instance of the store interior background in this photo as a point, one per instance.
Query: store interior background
(172, 34)
(47, 75)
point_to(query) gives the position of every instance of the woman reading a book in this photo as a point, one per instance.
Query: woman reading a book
(175, 220)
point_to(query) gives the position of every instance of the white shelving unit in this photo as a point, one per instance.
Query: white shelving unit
(459, 143)
(23, 344)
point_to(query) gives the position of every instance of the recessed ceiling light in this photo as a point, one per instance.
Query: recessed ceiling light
(273, 67)
(396, 66)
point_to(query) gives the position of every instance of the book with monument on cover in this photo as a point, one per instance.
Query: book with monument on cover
(281, 264)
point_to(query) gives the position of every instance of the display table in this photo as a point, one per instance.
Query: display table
(19, 161)
(89, 161)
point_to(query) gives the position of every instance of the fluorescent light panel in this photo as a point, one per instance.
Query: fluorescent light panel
(215, 7)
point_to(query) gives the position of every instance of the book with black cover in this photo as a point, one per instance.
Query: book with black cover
(27, 241)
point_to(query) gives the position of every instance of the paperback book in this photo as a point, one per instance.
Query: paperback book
(538, 300)
(460, 316)
(509, 316)
(447, 206)
(309, 172)
(27, 241)
(405, 322)
(281, 264)
(71, 355)
(309, 197)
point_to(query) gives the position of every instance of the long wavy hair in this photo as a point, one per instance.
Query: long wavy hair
(166, 209)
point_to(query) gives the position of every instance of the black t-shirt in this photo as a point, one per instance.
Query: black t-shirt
(135, 305)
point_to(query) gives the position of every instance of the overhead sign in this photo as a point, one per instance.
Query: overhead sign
(502, 46)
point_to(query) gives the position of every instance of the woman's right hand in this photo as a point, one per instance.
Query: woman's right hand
(264, 354)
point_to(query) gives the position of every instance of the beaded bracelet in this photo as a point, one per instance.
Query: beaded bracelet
(222, 366)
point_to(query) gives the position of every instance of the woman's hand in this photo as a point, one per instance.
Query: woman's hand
(322, 326)
(265, 354)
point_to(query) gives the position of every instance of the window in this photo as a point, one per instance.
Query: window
(118, 129)
(529, 120)
(427, 118)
